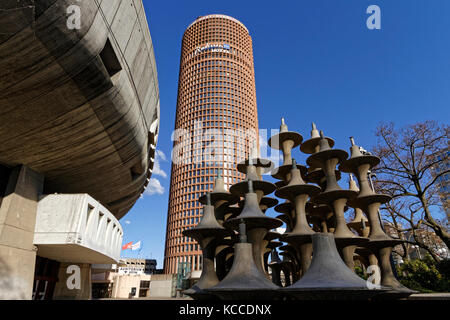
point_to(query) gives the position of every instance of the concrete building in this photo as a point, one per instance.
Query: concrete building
(431, 240)
(441, 165)
(78, 131)
(427, 237)
(137, 266)
(129, 279)
(216, 125)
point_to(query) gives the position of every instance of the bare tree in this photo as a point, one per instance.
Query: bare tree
(407, 172)
(410, 229)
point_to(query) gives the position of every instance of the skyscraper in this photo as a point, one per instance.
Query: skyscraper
(216, 125)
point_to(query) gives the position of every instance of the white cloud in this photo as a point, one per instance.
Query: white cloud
(127, 222)
(159, 156)
(154, 187)
(158, 171)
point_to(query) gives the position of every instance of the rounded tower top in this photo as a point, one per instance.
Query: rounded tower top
(209, 16)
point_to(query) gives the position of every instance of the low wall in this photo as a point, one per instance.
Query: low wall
(161, 286)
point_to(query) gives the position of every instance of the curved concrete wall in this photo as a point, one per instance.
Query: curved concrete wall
(67, 111)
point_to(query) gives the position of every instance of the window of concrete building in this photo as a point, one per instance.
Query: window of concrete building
(90, 209)
(110, 60)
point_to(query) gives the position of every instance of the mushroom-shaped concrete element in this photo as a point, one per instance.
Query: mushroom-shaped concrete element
(257, 223)
(285, 141)
(312, 145)
(370, 202)
(262, 166)
(336, 198)
(244, 281)
(208, 233)
(260, 187)
(219, 195)
(359, 223)
(328, 277)
(298, 192)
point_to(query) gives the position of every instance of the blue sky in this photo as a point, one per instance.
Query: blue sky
(314, 61)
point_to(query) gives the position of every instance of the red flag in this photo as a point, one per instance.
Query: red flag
(127, 246)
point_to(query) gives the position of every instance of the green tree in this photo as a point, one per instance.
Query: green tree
(425, 275)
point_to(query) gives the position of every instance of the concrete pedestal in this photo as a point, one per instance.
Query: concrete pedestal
(17, 222)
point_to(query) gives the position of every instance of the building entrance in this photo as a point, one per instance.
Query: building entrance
(45, 278)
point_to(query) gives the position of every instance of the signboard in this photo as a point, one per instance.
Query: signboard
(213, 48)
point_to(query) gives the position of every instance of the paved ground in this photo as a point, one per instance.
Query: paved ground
(430, 296)
(153, 298)
(419, 296)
